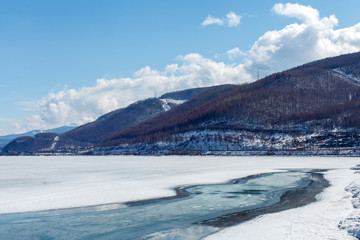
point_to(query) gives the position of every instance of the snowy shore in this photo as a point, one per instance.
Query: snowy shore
(41, 183)
(319, 220)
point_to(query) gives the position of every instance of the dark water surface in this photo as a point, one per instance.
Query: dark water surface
(196, 212)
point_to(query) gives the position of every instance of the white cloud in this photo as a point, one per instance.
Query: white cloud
(304, 13)
(231, 20)
(234, 53)
(209, 20)
(298, 43)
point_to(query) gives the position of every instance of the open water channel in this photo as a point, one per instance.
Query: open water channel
(195, 212)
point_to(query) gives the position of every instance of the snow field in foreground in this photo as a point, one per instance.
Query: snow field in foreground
(41, 183)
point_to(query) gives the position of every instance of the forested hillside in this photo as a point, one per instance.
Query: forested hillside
(323, 95)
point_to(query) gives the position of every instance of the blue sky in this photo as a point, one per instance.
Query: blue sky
(68, 61)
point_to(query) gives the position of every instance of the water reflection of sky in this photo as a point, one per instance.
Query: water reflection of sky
(170, 219)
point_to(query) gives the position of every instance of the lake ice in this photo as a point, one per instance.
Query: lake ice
(41, 183)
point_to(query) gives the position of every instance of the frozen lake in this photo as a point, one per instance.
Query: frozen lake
(160, 218)
(30, 184)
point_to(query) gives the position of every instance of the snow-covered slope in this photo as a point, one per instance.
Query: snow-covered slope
(348, 77)
(169, 103)
(246, 141)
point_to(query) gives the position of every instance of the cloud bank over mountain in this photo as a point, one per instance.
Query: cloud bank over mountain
(311, 38)
(297, 43)
(72, 106)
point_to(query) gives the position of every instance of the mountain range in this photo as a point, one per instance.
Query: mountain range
(310, 109)
(8, 138)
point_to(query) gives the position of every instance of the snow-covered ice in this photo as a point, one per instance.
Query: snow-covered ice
(40, 183)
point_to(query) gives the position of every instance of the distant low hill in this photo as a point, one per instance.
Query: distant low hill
(123, 118)
(8, 138)
(94, 132)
